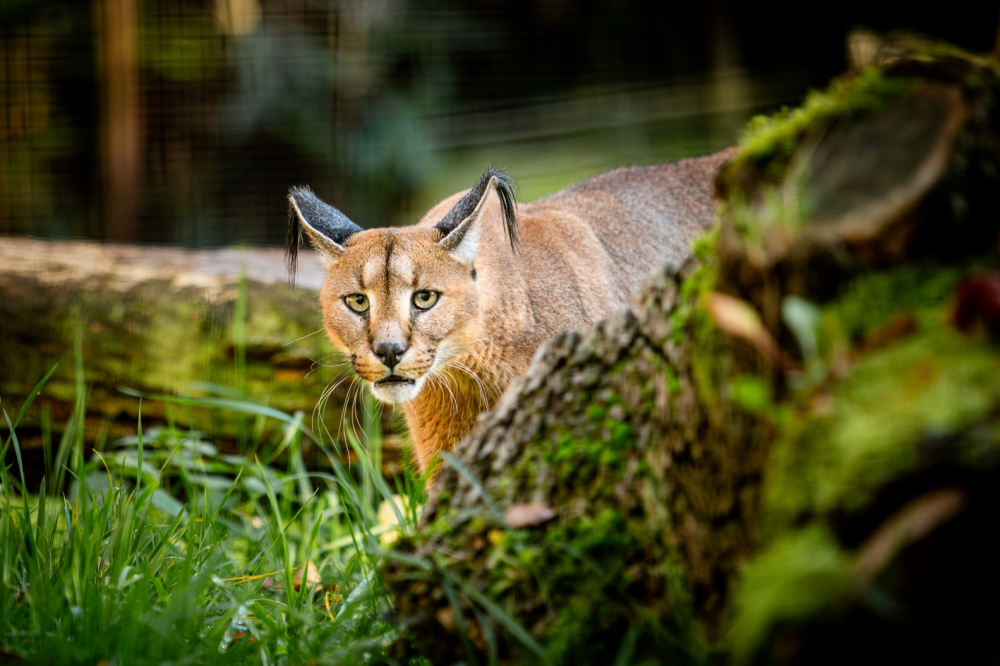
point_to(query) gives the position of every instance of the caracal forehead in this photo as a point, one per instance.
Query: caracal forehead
(393, 262)
(399, 255)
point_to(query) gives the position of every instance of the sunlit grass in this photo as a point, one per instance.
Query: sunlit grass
(162, 549)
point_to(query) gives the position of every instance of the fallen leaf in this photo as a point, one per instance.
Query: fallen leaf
(311, 575)
(446, 617)
(738, 318)
(387, 516)
(526, 515)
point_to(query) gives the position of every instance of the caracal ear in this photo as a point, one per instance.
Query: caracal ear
(328, 229)
(460, 228)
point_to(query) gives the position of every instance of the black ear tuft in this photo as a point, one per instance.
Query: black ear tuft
(293, 238)
(508, 206)
(470, 202)
(327, 227)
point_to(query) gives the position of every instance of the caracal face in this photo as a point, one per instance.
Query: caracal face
(398, 305)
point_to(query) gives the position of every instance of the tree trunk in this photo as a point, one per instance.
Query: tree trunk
(121, 143)
(159, 320)
(787, 450)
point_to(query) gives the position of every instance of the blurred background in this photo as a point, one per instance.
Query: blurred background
(185, 121)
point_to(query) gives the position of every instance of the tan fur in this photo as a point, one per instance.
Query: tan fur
(583, 250)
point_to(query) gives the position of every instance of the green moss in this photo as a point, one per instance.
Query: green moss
(871, 301)
(796, 578)
(691, 325)
(673, 381)
(751, 393)
(477, 526)
(845, 441)
(579, 456)
(936, 383)
(897, 389)
(704, 246)
(586, 616)
(689, 312)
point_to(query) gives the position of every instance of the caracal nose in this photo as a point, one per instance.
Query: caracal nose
(390, 353)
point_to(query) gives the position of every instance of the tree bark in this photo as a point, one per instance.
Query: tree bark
(786, 449)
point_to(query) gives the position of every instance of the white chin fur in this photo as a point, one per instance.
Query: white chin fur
(395, 394)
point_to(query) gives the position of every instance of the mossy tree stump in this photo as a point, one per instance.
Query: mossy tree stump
(787, 451)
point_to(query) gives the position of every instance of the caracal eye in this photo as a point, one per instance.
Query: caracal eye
(425, 299)
(357, 302)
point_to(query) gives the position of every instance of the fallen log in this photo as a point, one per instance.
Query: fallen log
(787, 448)
(158, 320)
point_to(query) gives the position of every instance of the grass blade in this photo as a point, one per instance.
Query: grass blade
(33, 549)
(17, 452)
(459, 615)
(138, 471)
(241, 406)
(493, 655)
(229, 493)
(31, 397)
(468, 476)
(272, 498)
(500, 615)
(376, 476)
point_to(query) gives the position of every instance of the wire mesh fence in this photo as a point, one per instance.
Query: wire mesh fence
(185, 121)
(165, 121)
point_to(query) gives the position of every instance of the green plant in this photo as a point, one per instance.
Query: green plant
(162, 549)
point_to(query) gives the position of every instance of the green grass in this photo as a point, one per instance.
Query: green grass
(161, 549)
